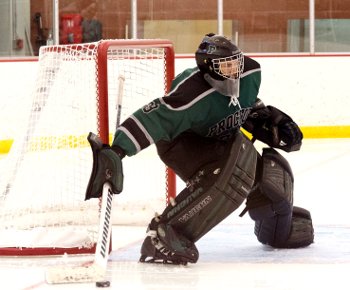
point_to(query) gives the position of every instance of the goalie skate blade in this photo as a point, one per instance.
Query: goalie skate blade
(78, 274)
(143, 259)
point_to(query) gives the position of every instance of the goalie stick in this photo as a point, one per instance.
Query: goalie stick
(118, 105)
(95, 271)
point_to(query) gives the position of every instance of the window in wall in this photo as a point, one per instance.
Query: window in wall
(192, 31)
(15, 28)
(331, 35)
(255, 26)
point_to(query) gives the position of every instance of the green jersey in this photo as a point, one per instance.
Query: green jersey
(192, 105)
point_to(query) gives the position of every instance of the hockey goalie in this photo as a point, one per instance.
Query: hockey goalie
(196, 129)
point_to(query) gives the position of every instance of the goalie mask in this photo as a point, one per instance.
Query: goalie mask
(219, 57)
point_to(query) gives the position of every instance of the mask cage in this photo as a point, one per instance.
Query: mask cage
(234, 66)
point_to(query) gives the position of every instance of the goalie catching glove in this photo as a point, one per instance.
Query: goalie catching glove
(107, 167)
(273, 127)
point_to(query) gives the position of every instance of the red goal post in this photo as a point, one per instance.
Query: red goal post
(44, 176)
(169, 75)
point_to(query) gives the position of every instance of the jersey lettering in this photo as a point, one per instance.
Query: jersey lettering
(235, 120)
(150, 107)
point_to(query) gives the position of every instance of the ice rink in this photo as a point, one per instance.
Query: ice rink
(230, 255)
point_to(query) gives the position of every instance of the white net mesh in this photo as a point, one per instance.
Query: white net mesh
(44, 177)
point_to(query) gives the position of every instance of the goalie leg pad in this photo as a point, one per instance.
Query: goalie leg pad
(301, 233)
(214, 193)
(211, 195)
(277, 177)
(107, 167)
(273, 230)
(270, 205)
(273, 192)
(219, 192)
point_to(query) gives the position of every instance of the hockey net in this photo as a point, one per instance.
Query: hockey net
(44, 177)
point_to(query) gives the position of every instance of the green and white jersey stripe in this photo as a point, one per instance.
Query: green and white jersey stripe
(191, 105)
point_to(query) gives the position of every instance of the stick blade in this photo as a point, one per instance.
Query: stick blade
(94, 271)
(75, 274)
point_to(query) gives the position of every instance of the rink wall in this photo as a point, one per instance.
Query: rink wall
(313, 89)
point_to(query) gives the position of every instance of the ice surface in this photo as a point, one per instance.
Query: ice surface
(230, 255)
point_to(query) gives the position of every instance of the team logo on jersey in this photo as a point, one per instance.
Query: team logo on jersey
(150, 107)
(226, 125)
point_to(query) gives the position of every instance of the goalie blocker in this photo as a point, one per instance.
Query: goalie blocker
(107, 167)
(215, 192)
